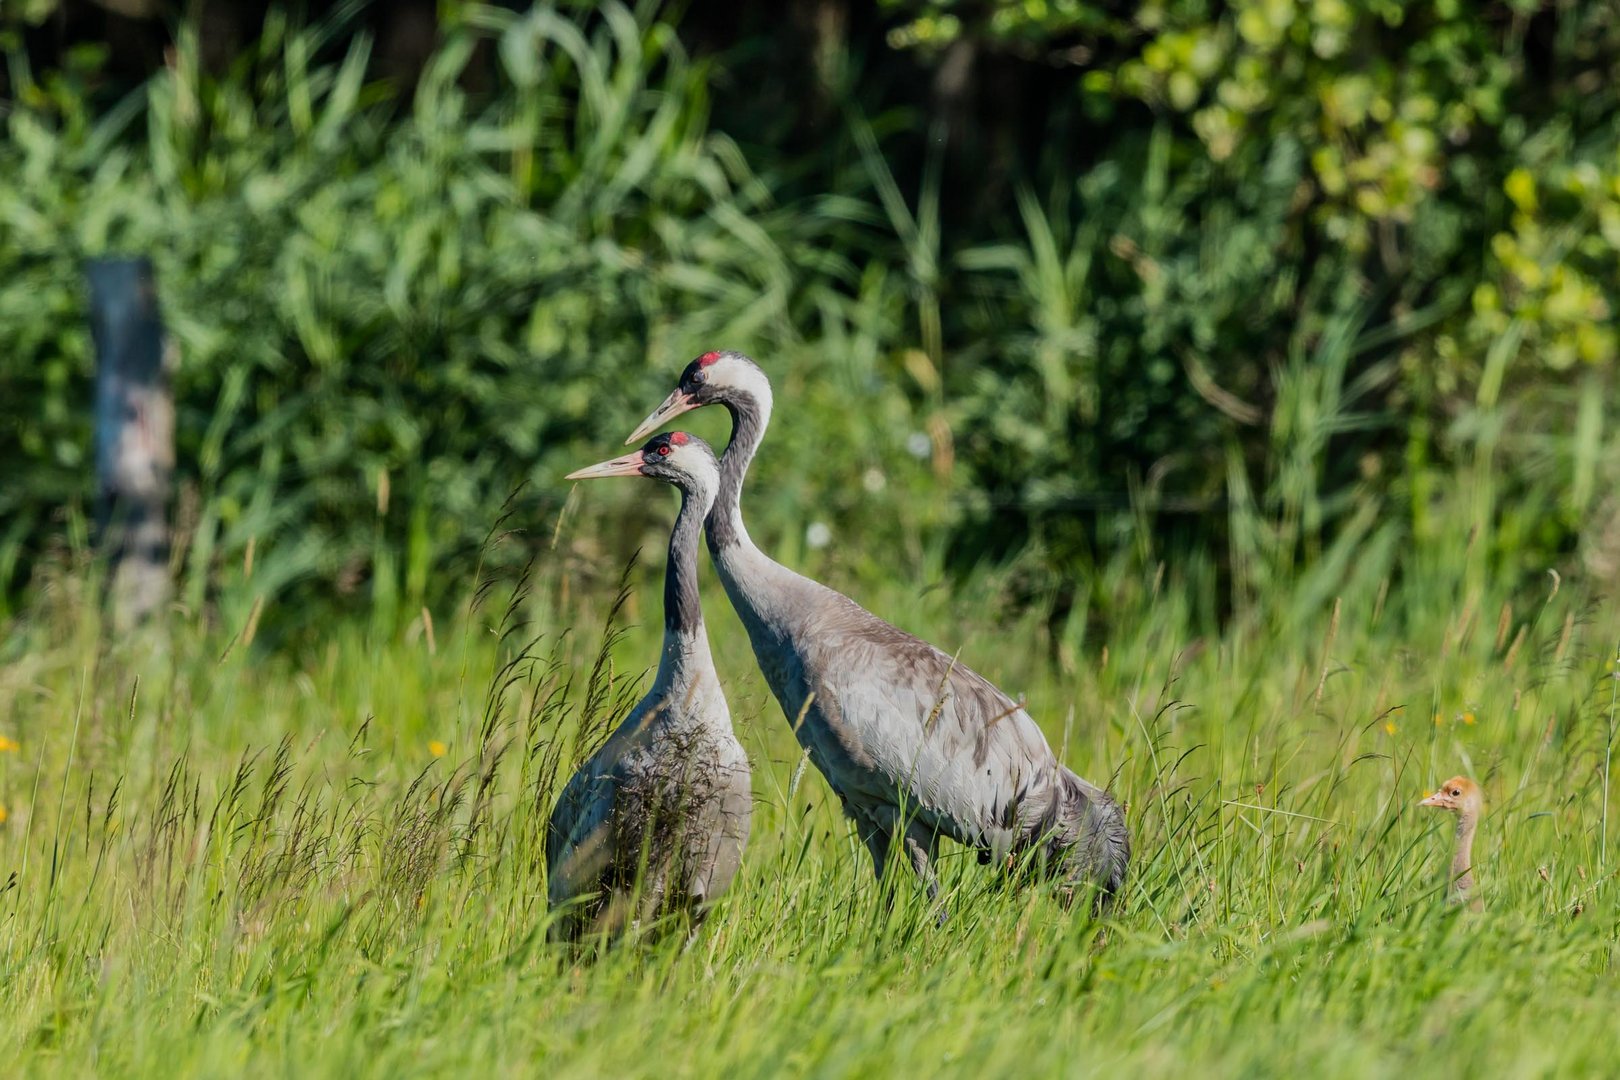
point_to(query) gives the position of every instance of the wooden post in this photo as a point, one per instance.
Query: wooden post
(134, 436)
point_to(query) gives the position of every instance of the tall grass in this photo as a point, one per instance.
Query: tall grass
(221, 858)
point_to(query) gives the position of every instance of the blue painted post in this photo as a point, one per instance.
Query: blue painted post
(134, 435)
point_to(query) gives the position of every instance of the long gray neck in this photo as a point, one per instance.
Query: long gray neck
(726, 529)
(766, 594)
(685, 656)
(683, 611)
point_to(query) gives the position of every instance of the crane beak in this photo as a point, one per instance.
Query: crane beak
(629, 465)
(678, 402)
(1437, 799)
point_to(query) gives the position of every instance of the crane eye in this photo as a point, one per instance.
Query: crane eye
(1455, 792)
(699, 377)
(663, 451)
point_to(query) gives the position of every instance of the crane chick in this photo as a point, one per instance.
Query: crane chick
(1462, 797)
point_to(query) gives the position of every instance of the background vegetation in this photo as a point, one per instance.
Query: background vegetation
(1213, 283)
(1243, 373)
(224, 859)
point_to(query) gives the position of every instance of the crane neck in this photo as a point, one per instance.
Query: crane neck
(763, 592)
(685, 639)
(1462, 858)
(750, 416)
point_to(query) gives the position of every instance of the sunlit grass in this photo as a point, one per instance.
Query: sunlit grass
(330, 863)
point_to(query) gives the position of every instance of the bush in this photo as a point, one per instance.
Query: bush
(1277, 282)
(386, 324)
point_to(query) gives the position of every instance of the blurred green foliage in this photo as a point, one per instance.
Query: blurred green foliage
(386, 324)
(1280, 293)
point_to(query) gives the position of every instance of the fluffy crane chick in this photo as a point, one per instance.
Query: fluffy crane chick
(1462, 797)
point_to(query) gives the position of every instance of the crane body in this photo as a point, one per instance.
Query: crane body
(915, 744)
(658, 817)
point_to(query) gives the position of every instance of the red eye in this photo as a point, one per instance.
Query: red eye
(663, 451)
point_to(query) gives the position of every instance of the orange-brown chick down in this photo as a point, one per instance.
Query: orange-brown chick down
(1462, 797)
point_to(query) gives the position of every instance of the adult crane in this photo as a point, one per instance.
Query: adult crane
(657, 819)
(914, 744)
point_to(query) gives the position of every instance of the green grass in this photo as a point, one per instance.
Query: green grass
(222, 862)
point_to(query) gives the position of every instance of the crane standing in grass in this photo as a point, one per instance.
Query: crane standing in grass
(657, 819)
(1462, 797)
(915, 745)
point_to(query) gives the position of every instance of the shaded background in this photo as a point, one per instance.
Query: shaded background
(1289, 299)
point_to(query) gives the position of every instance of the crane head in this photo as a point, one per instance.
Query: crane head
(674, 457)
(715, 378)
(1459, 795)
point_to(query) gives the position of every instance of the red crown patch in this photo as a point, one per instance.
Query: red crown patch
(679, 438)
(708, 358)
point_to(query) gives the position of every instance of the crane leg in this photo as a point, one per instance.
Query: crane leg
(881, 825)
(922, 845)
(877, 840)
(921, 848)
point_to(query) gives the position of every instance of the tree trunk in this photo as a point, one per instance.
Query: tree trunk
(134, 436)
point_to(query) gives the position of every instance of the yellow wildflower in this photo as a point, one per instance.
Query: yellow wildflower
(3, 815)
(8, 745)
(437, 748)
(1468, 718)
(1389, 727)
(1439, 720)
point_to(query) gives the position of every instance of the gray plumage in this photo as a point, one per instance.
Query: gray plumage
(915, 744)
(657, 819)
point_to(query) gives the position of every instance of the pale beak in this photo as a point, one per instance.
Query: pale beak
(629, 465)
(678, 402)
(1437, 799)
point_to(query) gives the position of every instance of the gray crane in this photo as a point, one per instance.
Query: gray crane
(657, 819)
(914, 744)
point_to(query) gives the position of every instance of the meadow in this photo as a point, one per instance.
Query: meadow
(1232, 381)
(225, 859)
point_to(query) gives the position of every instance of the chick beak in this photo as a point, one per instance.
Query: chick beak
(678, 402)
(1437, 799)
(629, 465)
